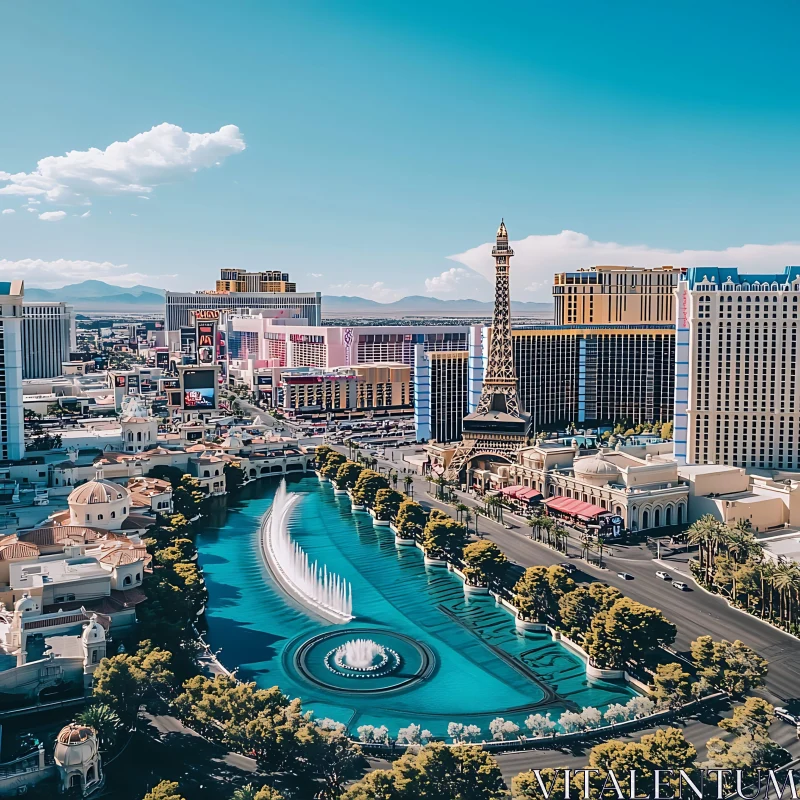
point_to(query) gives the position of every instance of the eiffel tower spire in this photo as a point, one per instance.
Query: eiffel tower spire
(497, 428)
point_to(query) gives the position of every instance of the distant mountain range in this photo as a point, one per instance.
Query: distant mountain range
(101, 296)
(95, 295)
(419, 304)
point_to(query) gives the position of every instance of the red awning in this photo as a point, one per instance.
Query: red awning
(528, 494)
(576, 508)
(511, 491)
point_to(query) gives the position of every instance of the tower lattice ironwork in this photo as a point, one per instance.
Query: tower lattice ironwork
(497, 427)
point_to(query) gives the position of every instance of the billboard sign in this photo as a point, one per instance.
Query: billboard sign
(199, 389)
(206, 342)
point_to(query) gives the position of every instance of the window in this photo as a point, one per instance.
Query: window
(127, 580)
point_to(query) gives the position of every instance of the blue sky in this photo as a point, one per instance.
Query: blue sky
(383, 139)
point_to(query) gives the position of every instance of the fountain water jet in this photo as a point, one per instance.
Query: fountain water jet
(361, 654)
(313, 585)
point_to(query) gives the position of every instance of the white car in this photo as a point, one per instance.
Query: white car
(786, 716)
(665, 576)
(680, 585)
(626, 576)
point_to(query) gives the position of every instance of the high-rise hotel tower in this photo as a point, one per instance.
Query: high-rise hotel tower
(736, 384)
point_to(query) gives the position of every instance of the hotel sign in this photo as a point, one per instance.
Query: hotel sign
(348, 346)
(685, 309)
(206, 314)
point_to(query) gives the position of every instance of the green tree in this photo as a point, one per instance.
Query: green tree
(443, 535)
(577, 609)
(123, 681)
(234, 476)
(531, 595)
(484, 562)
(367, 486)
(104, 721)
(249, 792)
(668, 748)
(321, 454)
(732, 667)
(671, 685)
(666, 430)
(410, 519)
(628, 631)
(387, 503)
(188, 497)
(751, 719)
(165, 472)
(437, 772)
(165, 790)
(347, 475)
(330, 467)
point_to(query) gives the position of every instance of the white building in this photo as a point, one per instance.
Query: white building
(298, 305)
(48, 337)
(12, 433)
(736, 384)
(284, 343)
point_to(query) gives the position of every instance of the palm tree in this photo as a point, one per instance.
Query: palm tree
(467, 517)
(460, 509)
(786, 580)
(104, 721)
(767, 573)
(408, 482)
(704, 533)
(394, 476)
(478, 514)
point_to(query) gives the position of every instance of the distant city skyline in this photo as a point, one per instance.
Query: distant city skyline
(372, 150)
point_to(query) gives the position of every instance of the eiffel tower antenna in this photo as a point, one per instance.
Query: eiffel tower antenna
(497, 428)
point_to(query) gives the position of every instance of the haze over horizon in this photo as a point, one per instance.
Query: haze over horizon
(382, 152)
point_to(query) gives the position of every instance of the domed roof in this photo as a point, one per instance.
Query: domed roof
(25, 603)
(98, 491)
(594, 465)
(93, 632)
(74, 733)
(76, 745)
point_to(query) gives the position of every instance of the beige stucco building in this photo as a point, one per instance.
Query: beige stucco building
(637, 483)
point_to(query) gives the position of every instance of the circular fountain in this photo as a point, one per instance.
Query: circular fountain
(363, 657)
(352, 661)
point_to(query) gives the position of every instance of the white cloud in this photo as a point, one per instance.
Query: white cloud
(538, 258)
(86, 214)
(315, 274)
(372, 291)
(458, 280)
(163, 153)
(53, 216)
(50, 274)
(9, 211)
(33, 210)
(134, 215)
(142, 196)
(34, 202)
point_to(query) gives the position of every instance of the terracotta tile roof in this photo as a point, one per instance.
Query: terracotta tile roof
(18, 550)
(58, 534)
(119, 557)
(98, 491)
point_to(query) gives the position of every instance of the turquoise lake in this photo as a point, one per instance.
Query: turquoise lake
(483, 667)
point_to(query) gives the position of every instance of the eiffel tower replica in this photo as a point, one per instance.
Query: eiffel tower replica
(497, 428)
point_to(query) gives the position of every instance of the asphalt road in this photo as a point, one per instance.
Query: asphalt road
(694, 613)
